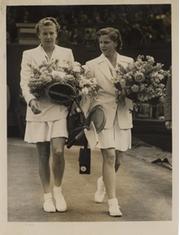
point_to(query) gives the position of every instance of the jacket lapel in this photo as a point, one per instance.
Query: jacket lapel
(40, 55)
(122, 61)
(103, 66)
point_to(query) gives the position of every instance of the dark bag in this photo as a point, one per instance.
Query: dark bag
(85, 161)
(76, 123)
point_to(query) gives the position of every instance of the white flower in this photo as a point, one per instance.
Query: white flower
(159, 66)
(88, 74)
(77, 64)
(154, 74)
(85, 90)
(135, 88)
(65, 64)
(43, 69)
(161, 85)
(150, 59)
(47, 78)
(139, 77)
(59, 74)
(160, 77)
(131, 66)
(69, 77)
(76, 69)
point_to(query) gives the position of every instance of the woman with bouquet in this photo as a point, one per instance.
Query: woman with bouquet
(46, 121)
(115, 138)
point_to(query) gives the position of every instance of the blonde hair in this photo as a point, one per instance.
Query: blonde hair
(47, 21)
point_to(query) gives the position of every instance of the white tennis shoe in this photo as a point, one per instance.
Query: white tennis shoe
(48, 205)
(60, 202)
(100, 192)
(114, 208)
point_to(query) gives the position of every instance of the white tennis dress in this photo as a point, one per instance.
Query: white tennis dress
(117, 131)
(51, 122)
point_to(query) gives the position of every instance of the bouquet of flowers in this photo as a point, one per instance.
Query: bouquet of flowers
(85, 84)
(142, 81)
(47, 74)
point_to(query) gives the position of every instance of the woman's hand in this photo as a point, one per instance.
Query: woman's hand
(34, 105)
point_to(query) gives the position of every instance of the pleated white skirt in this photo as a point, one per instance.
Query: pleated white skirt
(117, 138)
(44, 131)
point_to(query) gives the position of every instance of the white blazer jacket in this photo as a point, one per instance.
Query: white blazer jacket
(99, 69)
(35, 57)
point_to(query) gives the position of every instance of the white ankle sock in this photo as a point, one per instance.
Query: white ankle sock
(47, 196)
(57, 190)
(112, 201)
(101, 178)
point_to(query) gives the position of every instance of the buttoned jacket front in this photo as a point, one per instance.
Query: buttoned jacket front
(36, 57)
(99, 69)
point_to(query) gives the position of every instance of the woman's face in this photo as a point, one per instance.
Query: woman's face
(107, 45)
(48, 35)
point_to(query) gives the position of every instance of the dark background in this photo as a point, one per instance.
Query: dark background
(145, 29)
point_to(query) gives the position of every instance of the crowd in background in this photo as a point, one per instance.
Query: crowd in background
(140, 25)
(145, 29)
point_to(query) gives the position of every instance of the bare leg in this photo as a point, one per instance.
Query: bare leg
(109, 171)
(44, 168)
(100, 192)
(58, 163)
(109, 176)
(119, 156)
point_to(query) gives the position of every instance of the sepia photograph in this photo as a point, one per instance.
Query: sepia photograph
(89, 121)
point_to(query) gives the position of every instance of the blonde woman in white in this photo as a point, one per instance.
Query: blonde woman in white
(46, 121)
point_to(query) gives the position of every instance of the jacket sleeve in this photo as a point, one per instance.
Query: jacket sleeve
(25, 77)
(90, 69)
(129, 104)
